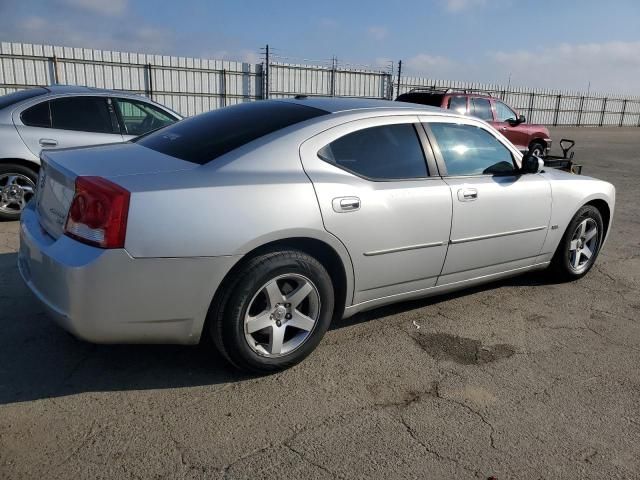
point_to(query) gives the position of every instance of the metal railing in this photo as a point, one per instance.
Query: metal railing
(193, 85)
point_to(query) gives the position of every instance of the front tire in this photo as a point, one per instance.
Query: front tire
(274, 313)
(17, 187)
(537, 148)
(580, 245)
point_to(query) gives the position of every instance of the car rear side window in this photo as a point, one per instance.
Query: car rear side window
(207, 136)
(37, 116)
(471, 150)
(387, 152)
(481, 108)
(85, 114)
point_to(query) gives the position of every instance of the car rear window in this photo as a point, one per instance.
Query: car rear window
(207, 136)
(20, 95)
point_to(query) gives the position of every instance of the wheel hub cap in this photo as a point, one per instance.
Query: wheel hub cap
(584, 244)
(282, 315)
(15, 191)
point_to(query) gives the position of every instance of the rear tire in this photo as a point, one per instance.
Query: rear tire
(274, 313)
(580, 244)
(17, 187)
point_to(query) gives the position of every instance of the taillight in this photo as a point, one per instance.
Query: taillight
(98, 213)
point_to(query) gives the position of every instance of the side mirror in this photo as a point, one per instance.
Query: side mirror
(531, 163)
(516, 121)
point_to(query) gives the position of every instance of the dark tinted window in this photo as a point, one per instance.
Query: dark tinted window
(458, 104)
(469, 150)
(207, 136)
(481, 108)
(86, 114)
(37, 116)
(140, 117)
(381, 153)
(20, 95)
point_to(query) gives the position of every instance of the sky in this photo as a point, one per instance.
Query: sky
(564, 44)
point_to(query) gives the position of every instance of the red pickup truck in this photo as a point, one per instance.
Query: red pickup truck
(525, 136)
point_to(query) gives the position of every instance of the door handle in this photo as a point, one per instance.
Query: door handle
(504, 129)
(48, 142)
(346, 204)
(467, 194)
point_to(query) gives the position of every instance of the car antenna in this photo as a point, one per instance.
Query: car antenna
(300, 97)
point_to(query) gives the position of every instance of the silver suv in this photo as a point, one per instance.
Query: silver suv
(60, 117)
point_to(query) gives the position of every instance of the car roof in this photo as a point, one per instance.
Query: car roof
(71, 89)
(342, 104)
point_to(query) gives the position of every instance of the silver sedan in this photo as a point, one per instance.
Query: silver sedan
(259, 224)
(63, 116)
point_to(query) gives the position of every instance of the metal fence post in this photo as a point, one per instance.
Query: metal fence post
(624, 109)
(399, 73)
(557, 112)
(56, 73)
(532, 96)
(334, 61)
(223, 81)
(150, 81)
(265, 91)
(604, 109)
(580, 111)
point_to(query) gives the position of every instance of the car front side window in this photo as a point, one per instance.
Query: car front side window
(470, 150)
(387, 152)
(504, 113)
(140, 118)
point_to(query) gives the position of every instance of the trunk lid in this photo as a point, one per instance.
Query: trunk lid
(59, 169)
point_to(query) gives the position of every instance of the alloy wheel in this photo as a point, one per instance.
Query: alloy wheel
(584, 245)
(16, 190)
(282, 315)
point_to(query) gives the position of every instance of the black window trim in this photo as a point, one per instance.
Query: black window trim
(442, 167)
(427, 153)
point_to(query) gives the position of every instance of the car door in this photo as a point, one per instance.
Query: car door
(138, 117)
(500, 217)
(376, 195)
(69, 121)
(505, 119)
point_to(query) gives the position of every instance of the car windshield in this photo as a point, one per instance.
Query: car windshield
(207, 136)
(20, 95)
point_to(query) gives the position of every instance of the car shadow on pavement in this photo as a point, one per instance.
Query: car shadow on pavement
(40, 360)
(530, 279)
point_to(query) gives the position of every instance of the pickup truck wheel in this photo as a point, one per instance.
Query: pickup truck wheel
(580, 244)
(537, 148)
(275, 312)
(17, 187)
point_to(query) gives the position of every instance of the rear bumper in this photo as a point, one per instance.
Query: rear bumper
(106, 296)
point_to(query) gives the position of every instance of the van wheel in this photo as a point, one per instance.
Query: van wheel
(275, 313)
(17, 187)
